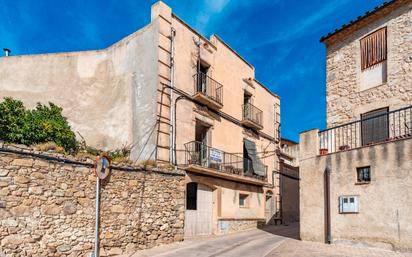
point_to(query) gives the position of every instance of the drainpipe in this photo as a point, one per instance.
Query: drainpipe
(328, 233)
(172, 110)
(175, 127)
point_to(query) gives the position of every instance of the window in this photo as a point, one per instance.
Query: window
(277, 122)
(364, 174)
(373, 48)
(349, 204)
(375, 126)
(191, 196)
(243, 200)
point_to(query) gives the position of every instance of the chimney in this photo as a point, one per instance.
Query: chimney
(6, 51)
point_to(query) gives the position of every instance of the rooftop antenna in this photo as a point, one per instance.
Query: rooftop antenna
(6, 51)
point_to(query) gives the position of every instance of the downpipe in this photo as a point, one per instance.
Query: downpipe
(328, 233)
(172, 156)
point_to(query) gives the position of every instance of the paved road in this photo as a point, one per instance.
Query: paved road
(250, 243)
(275, 241)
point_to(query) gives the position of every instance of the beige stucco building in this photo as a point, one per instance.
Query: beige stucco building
(176, 97)
(356, 178)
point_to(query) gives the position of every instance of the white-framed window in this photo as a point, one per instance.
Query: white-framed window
(349, 204)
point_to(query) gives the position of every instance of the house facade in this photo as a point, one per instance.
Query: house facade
(356, 175)
(176, 97)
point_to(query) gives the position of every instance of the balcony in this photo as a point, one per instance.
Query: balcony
(214, 162)
(386, 127)
(252, 117)
(208, 91)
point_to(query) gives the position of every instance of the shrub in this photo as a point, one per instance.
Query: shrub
(40, 125)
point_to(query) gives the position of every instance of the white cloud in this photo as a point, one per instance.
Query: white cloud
(208, 9)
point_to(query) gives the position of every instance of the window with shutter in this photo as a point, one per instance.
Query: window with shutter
(373, 48)
(375, 126)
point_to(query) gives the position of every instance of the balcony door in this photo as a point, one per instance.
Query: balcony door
(202, 73)
(202, 139)
(375, 126)
(247, 102)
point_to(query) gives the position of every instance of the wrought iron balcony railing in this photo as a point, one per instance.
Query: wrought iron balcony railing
(209, 87)
(252, 113)
(205, 156)
(380, 128)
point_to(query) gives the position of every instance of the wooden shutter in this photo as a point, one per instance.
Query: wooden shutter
(375, 126)
(373, 48)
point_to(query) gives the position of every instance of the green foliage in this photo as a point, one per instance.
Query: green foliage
(40, 125)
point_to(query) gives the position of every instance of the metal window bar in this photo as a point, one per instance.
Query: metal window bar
(208, 86)
(197, 153)
(388, 126)
(252, 113)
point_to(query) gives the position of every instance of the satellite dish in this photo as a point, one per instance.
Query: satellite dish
(101, 166)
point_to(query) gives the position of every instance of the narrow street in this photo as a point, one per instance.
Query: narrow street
(272, 242)
(249, 243)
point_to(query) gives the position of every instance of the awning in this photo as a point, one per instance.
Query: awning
(258, 167)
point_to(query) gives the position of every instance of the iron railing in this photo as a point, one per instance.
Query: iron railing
(205, 156)
(251, 112)
(208, 86)
(388, 126)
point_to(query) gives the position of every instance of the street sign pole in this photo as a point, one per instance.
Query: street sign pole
(97, 239)
(101, 169)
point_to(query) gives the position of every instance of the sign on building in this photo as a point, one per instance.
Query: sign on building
(215, 155)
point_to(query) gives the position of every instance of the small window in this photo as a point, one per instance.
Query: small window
(373, 48)
(364, 174)
(349, 204)
(191, 196)
(243, 200)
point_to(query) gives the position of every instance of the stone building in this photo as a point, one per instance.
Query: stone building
(176, 97)
(356, 175)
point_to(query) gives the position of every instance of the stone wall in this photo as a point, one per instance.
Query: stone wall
(345, 98)
(47, 208)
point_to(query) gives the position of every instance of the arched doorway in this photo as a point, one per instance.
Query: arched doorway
(199, 210)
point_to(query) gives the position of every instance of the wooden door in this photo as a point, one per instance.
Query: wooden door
(198, 222)
(269, 207)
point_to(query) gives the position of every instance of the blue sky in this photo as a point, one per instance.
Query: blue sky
(279, 37)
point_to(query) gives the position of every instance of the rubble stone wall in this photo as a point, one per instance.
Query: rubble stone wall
(47, 208)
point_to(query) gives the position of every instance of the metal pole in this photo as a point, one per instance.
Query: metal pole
(96, 240)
